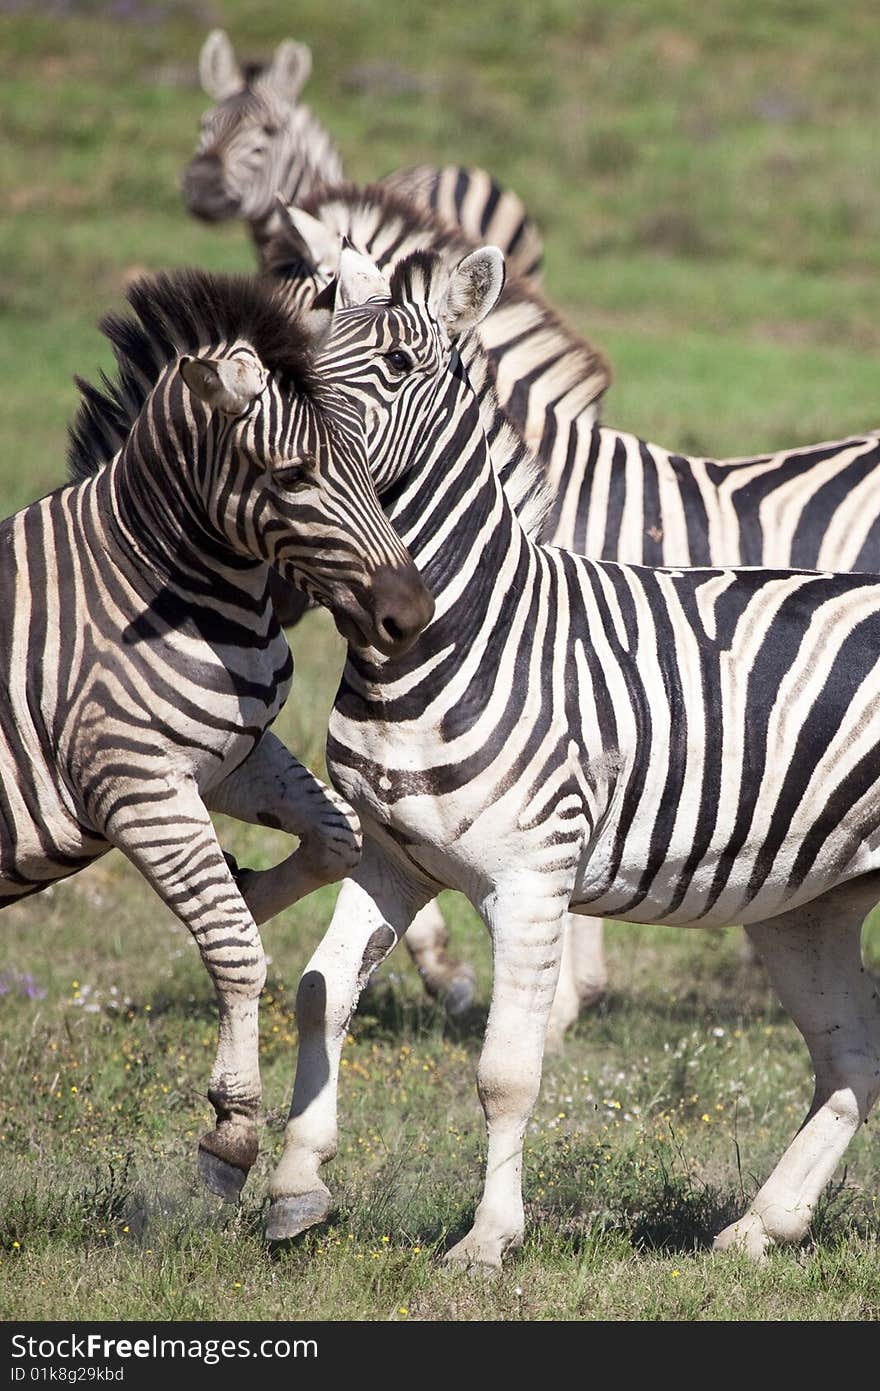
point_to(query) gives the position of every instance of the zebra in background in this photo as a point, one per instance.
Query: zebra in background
(142, 663)
(613, 497)
(691, 748)
(259, 142)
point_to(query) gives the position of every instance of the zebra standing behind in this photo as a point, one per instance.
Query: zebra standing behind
(613, 496)
(259, 142)
(684, 747)
(142, 663)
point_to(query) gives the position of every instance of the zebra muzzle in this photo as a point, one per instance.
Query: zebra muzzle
(395, 612)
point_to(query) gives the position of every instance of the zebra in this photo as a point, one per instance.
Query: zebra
(547, 376)
(259, 141)
(614, 496)
(688, 747)
(142, 663)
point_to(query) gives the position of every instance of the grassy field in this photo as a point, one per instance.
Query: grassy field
(707, 182)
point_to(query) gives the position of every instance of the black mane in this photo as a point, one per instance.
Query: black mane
(175, 313)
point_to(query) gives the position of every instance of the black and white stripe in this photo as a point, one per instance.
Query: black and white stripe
(614, 496)
(549, 380)
(142, 663)
(260, 143)
(682, 747)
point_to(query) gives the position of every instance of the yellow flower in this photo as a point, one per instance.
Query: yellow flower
(403, 1310)
(675, 1274)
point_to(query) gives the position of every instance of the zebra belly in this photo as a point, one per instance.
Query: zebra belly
(726, 886)
(40, 841)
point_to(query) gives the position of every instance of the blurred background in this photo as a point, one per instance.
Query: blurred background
(707, 182)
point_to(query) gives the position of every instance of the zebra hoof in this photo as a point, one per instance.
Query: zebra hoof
(289, 1217)
(220, 1177)
(459, 997)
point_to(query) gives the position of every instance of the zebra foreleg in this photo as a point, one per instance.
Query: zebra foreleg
(583, 977)
(176, 850)
(373, 911)
(814, 959)
(272, 788)
(443, 977)
(526, 927)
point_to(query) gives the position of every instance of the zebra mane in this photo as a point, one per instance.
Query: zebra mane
(517, 467)
(175, 313)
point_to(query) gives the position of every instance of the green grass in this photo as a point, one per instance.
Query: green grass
(706, 180)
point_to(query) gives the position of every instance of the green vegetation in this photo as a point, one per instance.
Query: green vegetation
(706, 179)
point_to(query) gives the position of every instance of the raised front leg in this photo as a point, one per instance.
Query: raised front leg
(525, 920)
(814, 959)
(373, 911)
(171, 840)
(272, 788)
(583, 977)
(444, 978)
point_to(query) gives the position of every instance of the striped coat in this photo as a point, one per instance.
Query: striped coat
(141, 663)
(682, 747)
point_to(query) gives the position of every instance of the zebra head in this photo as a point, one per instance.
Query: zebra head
(286, 480)
(256, 141)
(394, 343)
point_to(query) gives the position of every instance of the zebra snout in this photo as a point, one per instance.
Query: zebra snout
(204, 189)
(402, 608)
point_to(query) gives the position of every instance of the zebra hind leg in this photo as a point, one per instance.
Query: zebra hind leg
(443, 977)
(175, 848)
(813, 956)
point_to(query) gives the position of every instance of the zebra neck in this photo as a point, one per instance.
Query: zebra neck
(309, 162)
(477, 561)
(156, 524)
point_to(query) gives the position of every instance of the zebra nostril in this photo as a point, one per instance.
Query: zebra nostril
(402, 607)
(392, 629)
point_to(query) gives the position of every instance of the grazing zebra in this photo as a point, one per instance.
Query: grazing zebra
(616, 497)
(142, 663)
(260, 142)
(689, 747)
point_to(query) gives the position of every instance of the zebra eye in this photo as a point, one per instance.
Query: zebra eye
(289, 477)
(269, 129)
(399, 360)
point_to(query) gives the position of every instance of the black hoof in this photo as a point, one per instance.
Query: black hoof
(220, 1177)
(288, 1217)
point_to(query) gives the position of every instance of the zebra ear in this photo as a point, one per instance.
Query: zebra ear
(471, 291)
(317, 320)
(224, 384)
(290, 68)
(219, 72)
(312, 239)
(360, 279)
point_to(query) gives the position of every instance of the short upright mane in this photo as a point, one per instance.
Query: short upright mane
(518, 470)
(181, 312)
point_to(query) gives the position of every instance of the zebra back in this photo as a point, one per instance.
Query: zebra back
(472, 201)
